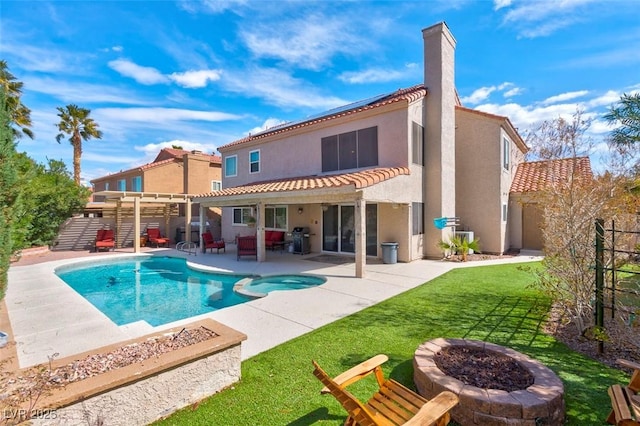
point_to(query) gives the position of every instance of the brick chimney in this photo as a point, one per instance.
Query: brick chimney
(440, 127)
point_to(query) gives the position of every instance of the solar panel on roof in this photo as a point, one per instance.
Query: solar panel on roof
(337, 110)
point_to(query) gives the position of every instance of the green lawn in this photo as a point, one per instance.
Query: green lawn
(491, 303)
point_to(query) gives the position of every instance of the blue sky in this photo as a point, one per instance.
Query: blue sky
(203, 74)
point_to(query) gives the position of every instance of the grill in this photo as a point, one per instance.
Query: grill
(300, 236)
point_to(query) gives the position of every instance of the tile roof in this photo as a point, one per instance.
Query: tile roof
(165, 156)
(538, 175)
(409, 94)
(359, 179)
(178, 153)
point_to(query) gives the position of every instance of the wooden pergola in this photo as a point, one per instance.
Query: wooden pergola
(137, 199)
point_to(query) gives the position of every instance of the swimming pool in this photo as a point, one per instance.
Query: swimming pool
(261, 286)
(155, 289)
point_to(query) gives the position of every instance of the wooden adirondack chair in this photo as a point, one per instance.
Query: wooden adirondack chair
(393, 404)
(625, 400)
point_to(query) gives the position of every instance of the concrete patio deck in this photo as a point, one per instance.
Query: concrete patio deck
(47, 317)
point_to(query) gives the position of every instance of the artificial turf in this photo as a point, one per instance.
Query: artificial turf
(491, 303)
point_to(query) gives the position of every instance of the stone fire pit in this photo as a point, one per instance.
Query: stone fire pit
(541, 403)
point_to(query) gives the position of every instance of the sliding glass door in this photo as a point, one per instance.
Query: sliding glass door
(338, 229)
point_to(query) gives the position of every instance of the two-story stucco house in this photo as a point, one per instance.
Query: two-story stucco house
(378, 170)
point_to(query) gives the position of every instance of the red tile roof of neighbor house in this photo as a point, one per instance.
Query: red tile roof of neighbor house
(166, 153)
(538, 175)
(165, 156)
(409, 94)
(359, 179)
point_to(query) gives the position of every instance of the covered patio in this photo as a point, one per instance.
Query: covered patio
(307, 200)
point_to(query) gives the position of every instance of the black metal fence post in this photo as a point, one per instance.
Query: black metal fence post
(600, 281)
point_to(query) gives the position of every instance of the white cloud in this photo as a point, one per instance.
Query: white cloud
(151, 150)
(161, 115)
(78, 92)
(377, 75)
(513, 92)
(269, 123)
(195, 79)
(308, 43)
(535, 18)
(478, 95)
(143, 75)
(277, 87)
(211, 6)
(45, 59)
(565, 97)
(499, 4)
(483, 93)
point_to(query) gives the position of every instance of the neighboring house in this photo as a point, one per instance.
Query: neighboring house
(168, 179)
(173, 171)
(532, 177)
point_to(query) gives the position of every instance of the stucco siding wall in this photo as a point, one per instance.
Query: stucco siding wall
(479, 192)
(166, 178)
(300, 153)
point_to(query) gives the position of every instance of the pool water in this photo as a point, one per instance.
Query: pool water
(157, 290)
(271, 283)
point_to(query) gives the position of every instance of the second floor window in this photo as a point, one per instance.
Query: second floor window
(216, 185)
(122, 185)
(106, 186)
(417, 143)
(506, 153)
(136, 183)
(231, 166)
(254, 161)
(350, 150)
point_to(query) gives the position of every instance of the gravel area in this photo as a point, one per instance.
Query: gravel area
(35, 381)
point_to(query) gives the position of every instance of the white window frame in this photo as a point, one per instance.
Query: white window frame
(251, 163)
(275, 211)
(216, 185)
(506, 153)
(246, 213)
(226, 169)
(106, 186)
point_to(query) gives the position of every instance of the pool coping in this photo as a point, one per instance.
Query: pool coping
(48, 317)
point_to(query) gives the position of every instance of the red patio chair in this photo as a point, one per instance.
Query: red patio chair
(156, 237)
(105, 240)
(210, 243)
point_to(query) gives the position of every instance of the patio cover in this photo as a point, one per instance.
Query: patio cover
(137, 198)
(357, 187)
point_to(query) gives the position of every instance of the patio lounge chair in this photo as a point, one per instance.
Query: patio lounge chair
(247, 246)
(393, 404)
(105, 240)
(625, 400)
(156, 237)
(210, 243)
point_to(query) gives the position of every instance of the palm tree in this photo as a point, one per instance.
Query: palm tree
(19, 114)
(75, 122)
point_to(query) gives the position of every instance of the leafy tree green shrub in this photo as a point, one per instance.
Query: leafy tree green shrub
(50, 197)
(8, 191)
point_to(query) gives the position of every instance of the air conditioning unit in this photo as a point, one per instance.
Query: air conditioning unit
(467, 235)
